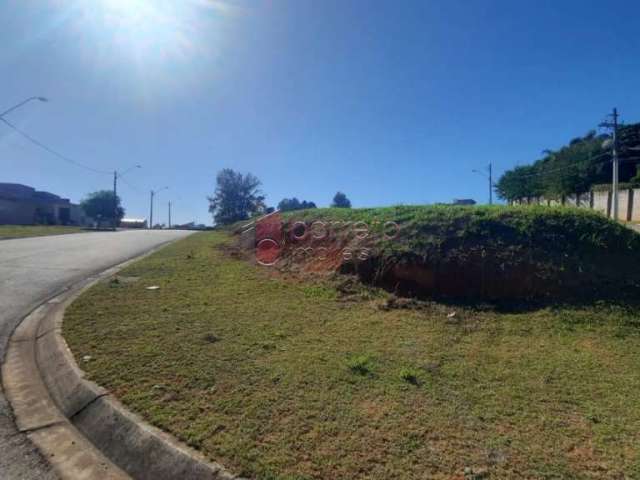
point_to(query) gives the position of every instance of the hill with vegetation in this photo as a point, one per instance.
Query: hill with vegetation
(489, 253)
(575, 168)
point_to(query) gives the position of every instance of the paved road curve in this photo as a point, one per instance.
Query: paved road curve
(31, 270)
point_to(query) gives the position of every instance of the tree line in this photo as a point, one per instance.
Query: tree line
(574, 168)
(238, 197)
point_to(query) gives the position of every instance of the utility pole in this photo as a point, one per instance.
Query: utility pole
(490, 178)
(151, 210)
(115, 198)
(616, 161)
(169, 214)
(490, 184)
(616, 164)
(153, 194)
(115, 193)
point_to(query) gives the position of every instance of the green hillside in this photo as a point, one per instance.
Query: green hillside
(574, 168)
(476, 252)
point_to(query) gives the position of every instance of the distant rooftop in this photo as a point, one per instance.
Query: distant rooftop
(17, 191)
(133, 220)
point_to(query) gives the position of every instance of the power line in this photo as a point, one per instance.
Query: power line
(545, 172)
(133, 187)
(51, 150)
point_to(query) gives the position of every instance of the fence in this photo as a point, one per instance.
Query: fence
(600, 201)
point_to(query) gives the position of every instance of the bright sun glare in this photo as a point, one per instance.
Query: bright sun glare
(150, 31)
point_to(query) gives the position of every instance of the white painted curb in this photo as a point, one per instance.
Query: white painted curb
(82, 430)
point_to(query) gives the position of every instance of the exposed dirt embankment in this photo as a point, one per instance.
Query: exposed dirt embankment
(480, 253)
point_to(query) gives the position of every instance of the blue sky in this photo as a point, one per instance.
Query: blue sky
(389, 101)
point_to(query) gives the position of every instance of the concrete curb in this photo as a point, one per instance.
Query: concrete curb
(82, 430)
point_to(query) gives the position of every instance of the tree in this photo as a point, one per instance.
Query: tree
(573, 168)
(100, 206)
(521, 182)
(289, 204)
(237, 197)
(340, 200)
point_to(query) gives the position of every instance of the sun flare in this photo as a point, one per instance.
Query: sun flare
(150, 31)
(152, 45)
(147, 30)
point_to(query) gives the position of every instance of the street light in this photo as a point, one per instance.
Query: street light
(122, 174)
(41, 99)
(490, 177)
(153, 194)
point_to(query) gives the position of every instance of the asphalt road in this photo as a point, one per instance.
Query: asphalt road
(33, 269)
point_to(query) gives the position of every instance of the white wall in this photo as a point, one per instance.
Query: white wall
(628, 203)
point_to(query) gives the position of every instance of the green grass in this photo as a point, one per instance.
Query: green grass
(502, 252)
(426, 229)
(23, 231)
(278, 379)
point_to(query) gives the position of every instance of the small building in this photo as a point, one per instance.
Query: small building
(463, 201)
(133, 223)
(24, 205)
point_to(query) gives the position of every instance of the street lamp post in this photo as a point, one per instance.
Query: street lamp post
(115, 191)
(18, 105)
(490, 178)
(153, 194)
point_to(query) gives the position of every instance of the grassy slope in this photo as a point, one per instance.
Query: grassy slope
(22, 231)
(279, 379)
(560, 229)
(568, 251)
